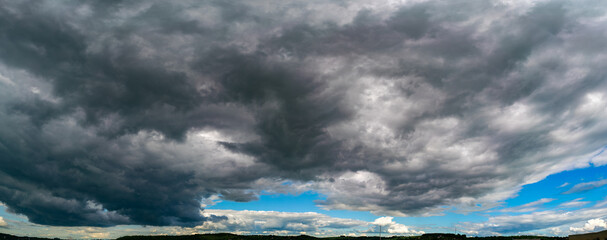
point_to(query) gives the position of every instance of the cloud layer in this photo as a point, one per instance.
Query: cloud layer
(133, 112)
(238, 222)
(560, 221)
(270, 222)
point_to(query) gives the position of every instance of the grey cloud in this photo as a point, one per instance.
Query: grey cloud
(95, 182)
(112, 81)
(238, 195)
(587, 186)
(152, 106)
(291, 114)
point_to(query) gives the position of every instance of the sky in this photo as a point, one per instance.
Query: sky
(323, 118)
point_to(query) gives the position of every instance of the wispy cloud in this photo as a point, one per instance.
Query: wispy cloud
(535, 221)
(529, 207)
(5, 80)
(587, 186)
(574, 203)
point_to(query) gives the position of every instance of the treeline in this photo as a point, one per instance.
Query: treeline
(431, 236)
(4, 236)
(229, 236)
(519, 237)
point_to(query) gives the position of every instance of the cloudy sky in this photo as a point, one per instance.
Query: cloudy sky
(302, 117)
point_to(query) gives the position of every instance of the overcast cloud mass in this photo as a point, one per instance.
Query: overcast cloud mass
(134, 112)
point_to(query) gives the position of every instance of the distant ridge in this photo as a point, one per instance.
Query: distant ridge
(218, 236)
(4, 236)
(230, 236)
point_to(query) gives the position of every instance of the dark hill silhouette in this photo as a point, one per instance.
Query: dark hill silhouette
(229, 236)
(4, 236)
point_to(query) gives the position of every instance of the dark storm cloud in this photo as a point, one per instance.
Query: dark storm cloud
(87, 181)
(92, 184)
(291, 115)
(414, 191)
(138, 110)
(111, 81)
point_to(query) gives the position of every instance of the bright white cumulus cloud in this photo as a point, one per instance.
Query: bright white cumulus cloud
(2, 222)
(389, 226)
(382, 221)
(592, 225)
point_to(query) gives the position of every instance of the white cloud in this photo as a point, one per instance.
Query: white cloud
(256, 222)
(350, 188)
(237, 222)
(519, 117)
(594, 104)
(536, 221)
(90, 233)
(574, 203)
(382, 221)
(596, 224)
(401, 229)
(600, 158)
(266, 222)
(388, 225)
(210, 201)
(2, 222)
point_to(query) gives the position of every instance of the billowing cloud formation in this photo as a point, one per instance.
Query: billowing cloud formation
(390, 226)
(382, 221)
(132, 112)
(592, 225)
